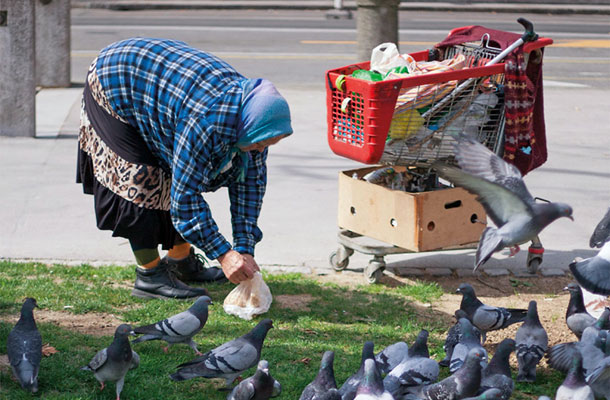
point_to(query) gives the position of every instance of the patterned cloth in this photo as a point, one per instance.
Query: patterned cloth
(186, 105)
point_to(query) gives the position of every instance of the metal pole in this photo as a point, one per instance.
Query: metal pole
(338, 12)
(17, 69)
(377, 22)
(53, 43)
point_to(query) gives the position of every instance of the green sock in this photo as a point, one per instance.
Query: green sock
(145, 256)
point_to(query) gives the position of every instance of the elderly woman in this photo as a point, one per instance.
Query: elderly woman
(162, 123)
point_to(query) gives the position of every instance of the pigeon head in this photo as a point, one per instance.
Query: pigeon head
(29, 304)
(261, 329)
(124, 330)
(367, 351)
(466, 327)
(499, 364)
(327, 359)
(573, 288)
(474, 357)
(604, 319)
(420, 347)
(263, 365)
(466, 290)
(549, 212)
(532, 313)
(459, 313)
(201, 303)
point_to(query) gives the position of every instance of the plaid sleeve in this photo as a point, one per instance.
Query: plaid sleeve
(191, 215)
(246, 201)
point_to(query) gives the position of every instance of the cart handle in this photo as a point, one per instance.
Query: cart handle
(529, 35)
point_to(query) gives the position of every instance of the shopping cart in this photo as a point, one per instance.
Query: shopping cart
(414, 121)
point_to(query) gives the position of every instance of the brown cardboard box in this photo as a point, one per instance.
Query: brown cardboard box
(423, 221)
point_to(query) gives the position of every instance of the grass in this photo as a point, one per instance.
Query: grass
(337, 318)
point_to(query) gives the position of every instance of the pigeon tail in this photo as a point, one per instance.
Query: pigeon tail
(489, 243)
(594, 273)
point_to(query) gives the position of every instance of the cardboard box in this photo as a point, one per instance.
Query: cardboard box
(433, 220)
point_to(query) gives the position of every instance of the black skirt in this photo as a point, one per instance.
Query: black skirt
(131, 191)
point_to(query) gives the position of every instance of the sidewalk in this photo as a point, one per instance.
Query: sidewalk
(516, 6)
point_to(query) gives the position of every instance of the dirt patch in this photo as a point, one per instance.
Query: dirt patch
(95, 324)
(295, 302)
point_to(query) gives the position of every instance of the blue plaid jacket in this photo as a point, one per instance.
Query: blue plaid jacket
(186, 105)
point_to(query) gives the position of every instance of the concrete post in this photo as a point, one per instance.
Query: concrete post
(17, 69)
(53, 43)
(377, 22)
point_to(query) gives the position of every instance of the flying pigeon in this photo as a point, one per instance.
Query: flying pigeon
(487, 318)
(594, 273)
(453, 337)
(324, 381)
(416, 369)
(371, 386)
(601, 234)
(179, 328)
(463, 383)
(497, 374)
(260, 386)
(577, 317)
(489, 394)
(574, 386)
(112, 363)
(532, 342)
(468, 341)
(391, 356)
(599, 379)
(24, 347)
(349, 387)
(501, 191)
(228, 360)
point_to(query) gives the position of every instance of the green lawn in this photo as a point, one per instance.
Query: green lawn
(335, 318)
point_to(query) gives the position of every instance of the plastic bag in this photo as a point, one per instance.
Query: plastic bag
(249, 298)
(386, 57)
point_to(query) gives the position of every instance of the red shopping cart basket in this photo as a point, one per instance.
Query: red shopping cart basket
(360, 113)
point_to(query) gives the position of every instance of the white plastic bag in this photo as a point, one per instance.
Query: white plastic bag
(249, 298)
(386, 57)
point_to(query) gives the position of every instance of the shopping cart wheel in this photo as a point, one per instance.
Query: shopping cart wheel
(374, 271)
(339, 259)
(534, 256)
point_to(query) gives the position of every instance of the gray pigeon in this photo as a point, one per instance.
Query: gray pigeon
(371, 386)
(497, 374)
(601, 234)
(574, 386)
(468, 341)
(391, 356)
(532, 343)
(349, 387)
(24, 347)
(112, 363)
(487, 318)
(577, 317)
(179, 328)
(260, 386)
(453, 337)
(416, 369)
(489, 394)
(594, 273)
(324, 381)
(599, 379)
(465, 382)
(501, 191)
(228, 360)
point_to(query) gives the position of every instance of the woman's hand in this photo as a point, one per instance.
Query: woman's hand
(238, 267)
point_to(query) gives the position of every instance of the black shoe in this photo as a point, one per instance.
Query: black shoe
(160, 282)
(192, 269)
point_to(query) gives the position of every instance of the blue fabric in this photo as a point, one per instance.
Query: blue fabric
(186, 105)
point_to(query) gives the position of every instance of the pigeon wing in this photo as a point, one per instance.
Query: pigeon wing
(135, 360)
(98, 360)
(244, 391)
(601, 234)
(232, 357)
(26, 345)
(183, 324)
(499, 202)
(594, 273)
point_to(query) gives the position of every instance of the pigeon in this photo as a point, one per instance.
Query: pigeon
(229, 360)
(594, 273)
(532, 342)
(497, 374)
(599, 379)
(468, 341)
(179, 328)
(112, 363)
(487, 318)
(391, 356)
(601, 234)
(414, 370)
(260, 386)
(349, 387)
(501, 191)
(463, 383)
(489, 394)
(24, 347)
(574, 386)
(324, 381)
(371, 386)
(453, 337)
(577, 317)
(544, 398)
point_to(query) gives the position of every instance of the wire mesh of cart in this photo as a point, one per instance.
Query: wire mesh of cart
(414, 120)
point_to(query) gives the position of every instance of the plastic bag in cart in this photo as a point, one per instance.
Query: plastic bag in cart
(249, 298)
(386, 57)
